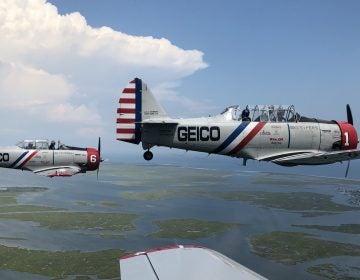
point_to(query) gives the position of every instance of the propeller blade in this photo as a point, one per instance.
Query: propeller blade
(349, 114)
(100, 160)
(99, 147)
(350, 121)
(347, 169)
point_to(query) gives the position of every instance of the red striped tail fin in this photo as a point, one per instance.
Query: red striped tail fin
(129, 113)
(136, 104)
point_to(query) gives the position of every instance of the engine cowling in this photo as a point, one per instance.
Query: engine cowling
(349, 138)
(93, 159)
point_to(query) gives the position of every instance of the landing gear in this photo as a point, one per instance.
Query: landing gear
(148, 155)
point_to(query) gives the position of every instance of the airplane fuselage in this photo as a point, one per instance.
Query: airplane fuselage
(15, 157)
(250, 140)
(50, 162)
(275, 133)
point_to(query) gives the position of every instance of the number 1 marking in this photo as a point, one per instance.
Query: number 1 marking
(346, 134)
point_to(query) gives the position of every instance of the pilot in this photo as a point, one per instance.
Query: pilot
(52, 145)
(280, 115)
(245, 115)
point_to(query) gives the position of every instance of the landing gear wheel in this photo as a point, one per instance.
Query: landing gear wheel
(148, 155)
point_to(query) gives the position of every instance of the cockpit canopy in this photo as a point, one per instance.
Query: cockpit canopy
(46, 145)
(263, 113)
(34, 144)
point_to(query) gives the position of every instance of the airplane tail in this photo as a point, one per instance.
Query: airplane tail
(136, 104)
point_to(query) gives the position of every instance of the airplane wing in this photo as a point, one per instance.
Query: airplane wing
(57, 171)
(315, 158)
(183, 262)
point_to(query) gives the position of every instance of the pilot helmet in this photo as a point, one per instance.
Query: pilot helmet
(245, 113)
(280, 112)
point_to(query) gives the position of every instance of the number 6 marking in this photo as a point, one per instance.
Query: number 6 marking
(93, 158)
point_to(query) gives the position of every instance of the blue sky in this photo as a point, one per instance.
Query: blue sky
(305, 53)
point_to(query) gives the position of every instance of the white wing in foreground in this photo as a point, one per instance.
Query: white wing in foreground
(183, 262)
(58, 171)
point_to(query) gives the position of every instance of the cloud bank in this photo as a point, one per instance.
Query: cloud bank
(57, 69)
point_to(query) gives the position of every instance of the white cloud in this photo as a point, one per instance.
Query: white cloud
(24, 87)
(66, 112)
(33, 29)
(181, 106)
(58, 69)
(41, 95)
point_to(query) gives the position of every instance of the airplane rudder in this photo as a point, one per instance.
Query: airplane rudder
(129, 110)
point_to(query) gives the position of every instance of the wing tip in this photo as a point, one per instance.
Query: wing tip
(160, 249)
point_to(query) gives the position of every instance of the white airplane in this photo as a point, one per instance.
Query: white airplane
(43, 158)
(183, 262)
(272, 133)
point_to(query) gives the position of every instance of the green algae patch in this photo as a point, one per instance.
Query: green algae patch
(109, 204)
(161, 175)
(190, 228)
(292, 201)
(284, 180)
(335, 272)
(11, 238)
(129, 183)
(83, 203)
(343, 228)
(64, 220)
(150, 195)
(295, 180)
(310, 214)
(8, 194)
(5, 211)
(111, 236)
(162, 194)
(290, 248)
(103, 264)
(7, 200)
(20, 190)
(307, 204)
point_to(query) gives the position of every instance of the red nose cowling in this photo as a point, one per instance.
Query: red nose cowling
(349, 138)
(93, 159)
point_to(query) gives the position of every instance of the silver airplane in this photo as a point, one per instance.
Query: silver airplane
(275, 133)
(43, 158)
(183, 262)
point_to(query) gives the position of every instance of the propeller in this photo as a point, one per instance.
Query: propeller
(349, 114)
(347, 168)
(350, 121)
(99, 150)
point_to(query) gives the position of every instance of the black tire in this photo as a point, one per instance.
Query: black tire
(148, 155)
